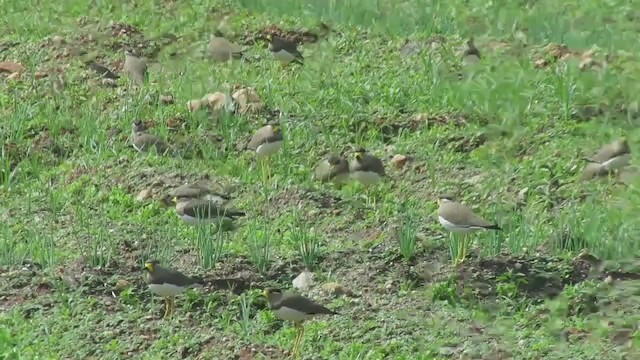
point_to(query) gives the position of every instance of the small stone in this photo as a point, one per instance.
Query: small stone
(11, 67)
(420, 117)
(399, 161)
(109, 83)
(474, 180)
(248, 100)
(608, 280)
(540, 63)
(166, 99)
(335, 289)
(121, 284)
(194, 105)
(144, 195)
(447, 351)
(215, 101)
(58, 41)
(13, 76)
(304, 280)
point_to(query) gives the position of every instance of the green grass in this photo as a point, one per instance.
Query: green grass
(505, 135)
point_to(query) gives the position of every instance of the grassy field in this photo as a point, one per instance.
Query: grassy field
(557, 80)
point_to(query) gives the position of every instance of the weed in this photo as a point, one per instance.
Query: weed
(259, 246)
(445, 291)
(210, 242)
(306, 241)
(408, 234)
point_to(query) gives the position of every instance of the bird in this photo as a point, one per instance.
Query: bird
(295, 308)
(204, 211)
(366, 168)
(221, 49)
(471, 54)
(134, 66)
(142, 141)
(102, 70)
(284, 50)
(198, 190)
(609, 158)
(267, 141)
(167, 283)
(459, 218)
(334, 168)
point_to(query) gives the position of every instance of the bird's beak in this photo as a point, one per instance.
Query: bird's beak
(148, 266)
(265, 293)
(175, 199)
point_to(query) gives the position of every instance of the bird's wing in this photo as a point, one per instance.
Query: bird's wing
(292, 48)
(145, 140)
(323, 171)
(203, 209)
(288, 46)
(209, 209)
(262, 136)
(174, 277)
(461, 215)
(372, 163)
(477, 220)
(610, 151)
(303, 304)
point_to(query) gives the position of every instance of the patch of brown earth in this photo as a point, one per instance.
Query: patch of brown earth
(533, 276)
(303, 36)
(298, 198)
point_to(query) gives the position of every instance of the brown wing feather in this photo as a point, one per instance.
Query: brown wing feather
(369, 163)
(264, 135)
(461, 214)
(301, 303)
(206, 209)
(168, 276)
(611, 151)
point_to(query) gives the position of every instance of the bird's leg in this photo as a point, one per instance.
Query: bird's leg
(166, 307)
(294, 351)
(263, 170)
(468, 246)
(172, 306)
(458, 242)
(461, 250)
(298, 341)
(465, 242)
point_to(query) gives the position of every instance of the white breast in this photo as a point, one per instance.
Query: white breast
(340, 179)
(456, 228)
(470, 59)
(366, 177)
(268, 149)
(284, 56)
(288, 314)
(617, 162)
(166, 290)
(194, 221)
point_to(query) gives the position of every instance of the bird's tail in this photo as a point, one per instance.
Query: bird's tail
(493, 227)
